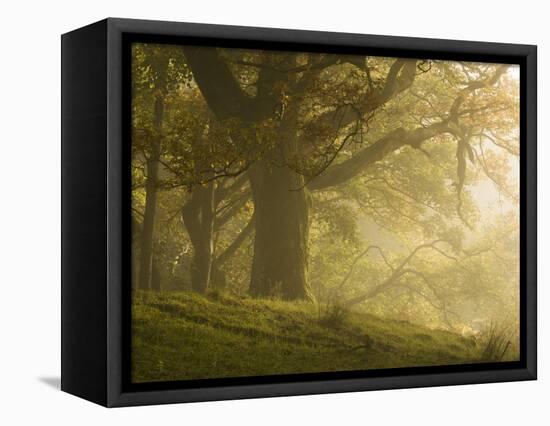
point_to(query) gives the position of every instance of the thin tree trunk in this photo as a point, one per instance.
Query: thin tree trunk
(152, 167)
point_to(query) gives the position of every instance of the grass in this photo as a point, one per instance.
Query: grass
(497, 344)
(184, 336)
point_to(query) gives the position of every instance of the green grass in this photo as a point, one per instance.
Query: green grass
(183, 336)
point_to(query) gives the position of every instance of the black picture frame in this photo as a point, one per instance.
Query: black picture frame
(96, 207)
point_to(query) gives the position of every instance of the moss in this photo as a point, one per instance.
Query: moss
(183, 336)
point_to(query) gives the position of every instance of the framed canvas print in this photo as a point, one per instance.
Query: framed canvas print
(255, 212)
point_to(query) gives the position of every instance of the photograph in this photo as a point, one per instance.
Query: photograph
(297, 212)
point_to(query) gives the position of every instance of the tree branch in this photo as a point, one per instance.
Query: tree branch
(234, 246)
(221, 89)
(399, 78)
(396, 274)
(342, 172)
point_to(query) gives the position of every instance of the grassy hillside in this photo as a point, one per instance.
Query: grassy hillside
(180, 336)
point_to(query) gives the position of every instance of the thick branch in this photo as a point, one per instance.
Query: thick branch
(234, 246)
(232, 209)
(221, 89)
(342, 172)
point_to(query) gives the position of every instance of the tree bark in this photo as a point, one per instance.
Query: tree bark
(198, 217)
(281, 216)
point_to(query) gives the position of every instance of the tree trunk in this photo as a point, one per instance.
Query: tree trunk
(198, 216)
(146, 253)
(152, 167)
(281, 203)
(281, 216)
